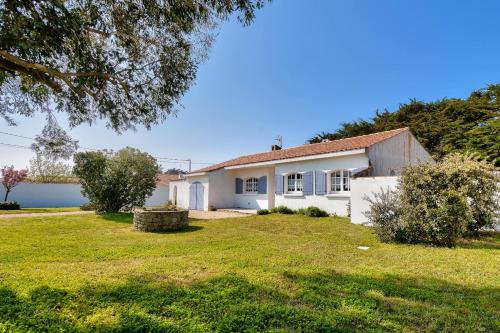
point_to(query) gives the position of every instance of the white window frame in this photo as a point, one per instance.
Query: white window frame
(344, 180)
(251, 185)
(297, 183)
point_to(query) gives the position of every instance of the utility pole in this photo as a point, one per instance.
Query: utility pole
(189, 167)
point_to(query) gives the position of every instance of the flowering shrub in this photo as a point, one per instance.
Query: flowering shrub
(427, 187)
(11, 177)
(437, 203)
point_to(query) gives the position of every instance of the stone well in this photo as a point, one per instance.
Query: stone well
(160, 220)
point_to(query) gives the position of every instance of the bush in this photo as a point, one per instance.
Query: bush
(262, 212)
(428, 186)
(116, 181)
(300, 211)
(87, 207)
(437, 203)
(442, 225)
(282, 210)
(385, 216)
(9, 205)
(312, 211)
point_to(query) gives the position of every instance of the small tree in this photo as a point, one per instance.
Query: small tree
(46, 169)
(114, 182)
(11, 177)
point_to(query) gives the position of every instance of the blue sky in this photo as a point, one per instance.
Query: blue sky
(306, 66)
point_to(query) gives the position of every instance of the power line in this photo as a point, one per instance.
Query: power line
(16, 135)
(13, 145)
(32, 139)
(160, 159)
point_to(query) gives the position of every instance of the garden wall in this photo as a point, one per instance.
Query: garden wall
(367, 186)
(31, 195)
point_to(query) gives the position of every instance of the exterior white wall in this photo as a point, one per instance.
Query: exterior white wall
(390, 156)
(182, 187)
(252, 201)
(33, 195)
(333, 204)
(183, 190)
(221, 189)
(159, 197)
(367, 186)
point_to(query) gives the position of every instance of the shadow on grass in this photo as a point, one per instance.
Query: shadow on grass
(486, 240)
(189, 228)
(318, 303)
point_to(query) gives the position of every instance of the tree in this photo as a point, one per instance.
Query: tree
(127, 62)
(116, 181)
(175, 171)
(11, 177)
(46, 169)
(54, 143)
(443, 127)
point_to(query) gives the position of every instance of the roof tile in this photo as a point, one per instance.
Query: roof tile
(357, 142)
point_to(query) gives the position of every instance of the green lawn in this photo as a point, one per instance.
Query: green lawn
(276, 273)
(39, 210)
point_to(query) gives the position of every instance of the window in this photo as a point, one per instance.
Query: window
(251, 185)
(294, 183)
(336, 181)
(340, 181)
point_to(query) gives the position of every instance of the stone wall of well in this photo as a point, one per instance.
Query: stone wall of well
(151, 220)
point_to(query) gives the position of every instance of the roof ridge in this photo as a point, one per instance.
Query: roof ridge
(351, 137)
(320, 147)
(317, 143)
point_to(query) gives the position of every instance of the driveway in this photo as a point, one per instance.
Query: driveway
(219, 214)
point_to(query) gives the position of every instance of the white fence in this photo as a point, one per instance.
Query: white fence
(367, 186)
(31, 195)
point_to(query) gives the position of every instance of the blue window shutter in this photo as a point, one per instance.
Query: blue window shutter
(262, 185)
(239, 186)
(279, 184)
(307, 183)
(320, 183)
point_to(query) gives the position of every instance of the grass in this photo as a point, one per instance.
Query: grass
(39, 210)
(274, 273)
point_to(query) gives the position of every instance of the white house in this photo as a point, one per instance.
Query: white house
(310, 175)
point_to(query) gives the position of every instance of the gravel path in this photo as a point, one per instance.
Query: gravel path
(198, 214)
(8, 216)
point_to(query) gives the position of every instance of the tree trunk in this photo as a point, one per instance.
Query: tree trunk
(6, 195)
